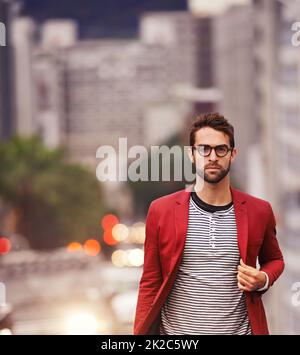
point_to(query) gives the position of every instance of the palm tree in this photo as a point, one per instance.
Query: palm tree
(55, 202)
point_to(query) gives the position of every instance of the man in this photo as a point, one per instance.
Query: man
(202, 246)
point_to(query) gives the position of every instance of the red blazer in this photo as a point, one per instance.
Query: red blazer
(166, 228)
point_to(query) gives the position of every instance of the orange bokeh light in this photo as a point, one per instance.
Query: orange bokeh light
(73, 247)
(92, 247)
(108, 238)
(108, 221)
(5, 246)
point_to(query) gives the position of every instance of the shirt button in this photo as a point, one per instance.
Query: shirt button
(213, 246)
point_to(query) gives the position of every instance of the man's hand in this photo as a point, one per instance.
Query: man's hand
(249, 278)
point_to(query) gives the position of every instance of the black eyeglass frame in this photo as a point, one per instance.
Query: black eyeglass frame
(201, 152)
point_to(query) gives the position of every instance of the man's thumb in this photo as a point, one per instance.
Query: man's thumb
(242, 263)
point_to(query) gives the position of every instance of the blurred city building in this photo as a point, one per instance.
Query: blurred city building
(89, 93)
(246, 66)
(120, 88)
(267, 26)
(234, 74)
(257, 70)
(83, 94)
(23, 41)
(287, 150)
(7, 122)
(100, 19)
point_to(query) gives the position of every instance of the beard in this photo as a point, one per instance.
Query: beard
(214, 177)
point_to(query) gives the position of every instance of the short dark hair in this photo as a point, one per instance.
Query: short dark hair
(214, 120)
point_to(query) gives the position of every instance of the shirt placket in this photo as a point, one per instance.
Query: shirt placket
(212, 234)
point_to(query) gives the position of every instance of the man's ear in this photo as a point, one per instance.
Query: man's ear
(233, 154)
(190, 154)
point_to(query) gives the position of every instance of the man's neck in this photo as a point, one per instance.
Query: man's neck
(214, 194)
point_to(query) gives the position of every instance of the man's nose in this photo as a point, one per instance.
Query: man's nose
(213, 156)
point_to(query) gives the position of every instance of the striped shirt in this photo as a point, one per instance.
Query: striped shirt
(205, 298)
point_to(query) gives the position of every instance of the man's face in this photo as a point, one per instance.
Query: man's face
(204, 165)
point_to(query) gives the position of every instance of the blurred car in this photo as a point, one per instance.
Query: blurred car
(124, 305)
(6, 322)
(66, 317)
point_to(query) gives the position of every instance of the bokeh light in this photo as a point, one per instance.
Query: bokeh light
(137, 233)
(136, 257)
(5, 246)
(81, 324)
(92, 247)
(108, 238)
(128, 258)
(74, 247)
(120, 232)
(108, 221)
(119, 258)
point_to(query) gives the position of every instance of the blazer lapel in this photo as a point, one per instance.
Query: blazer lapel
(241, 217)
(181, 215)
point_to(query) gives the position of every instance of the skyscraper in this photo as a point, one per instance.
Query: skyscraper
(6, 73)
(106, 89)
(234, 70)
(288, 151)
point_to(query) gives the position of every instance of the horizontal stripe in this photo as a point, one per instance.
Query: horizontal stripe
(205, 298)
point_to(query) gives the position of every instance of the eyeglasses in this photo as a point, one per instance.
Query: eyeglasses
(205, 150)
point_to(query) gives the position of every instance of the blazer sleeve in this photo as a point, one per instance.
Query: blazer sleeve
(270, 256)
(151, 279)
